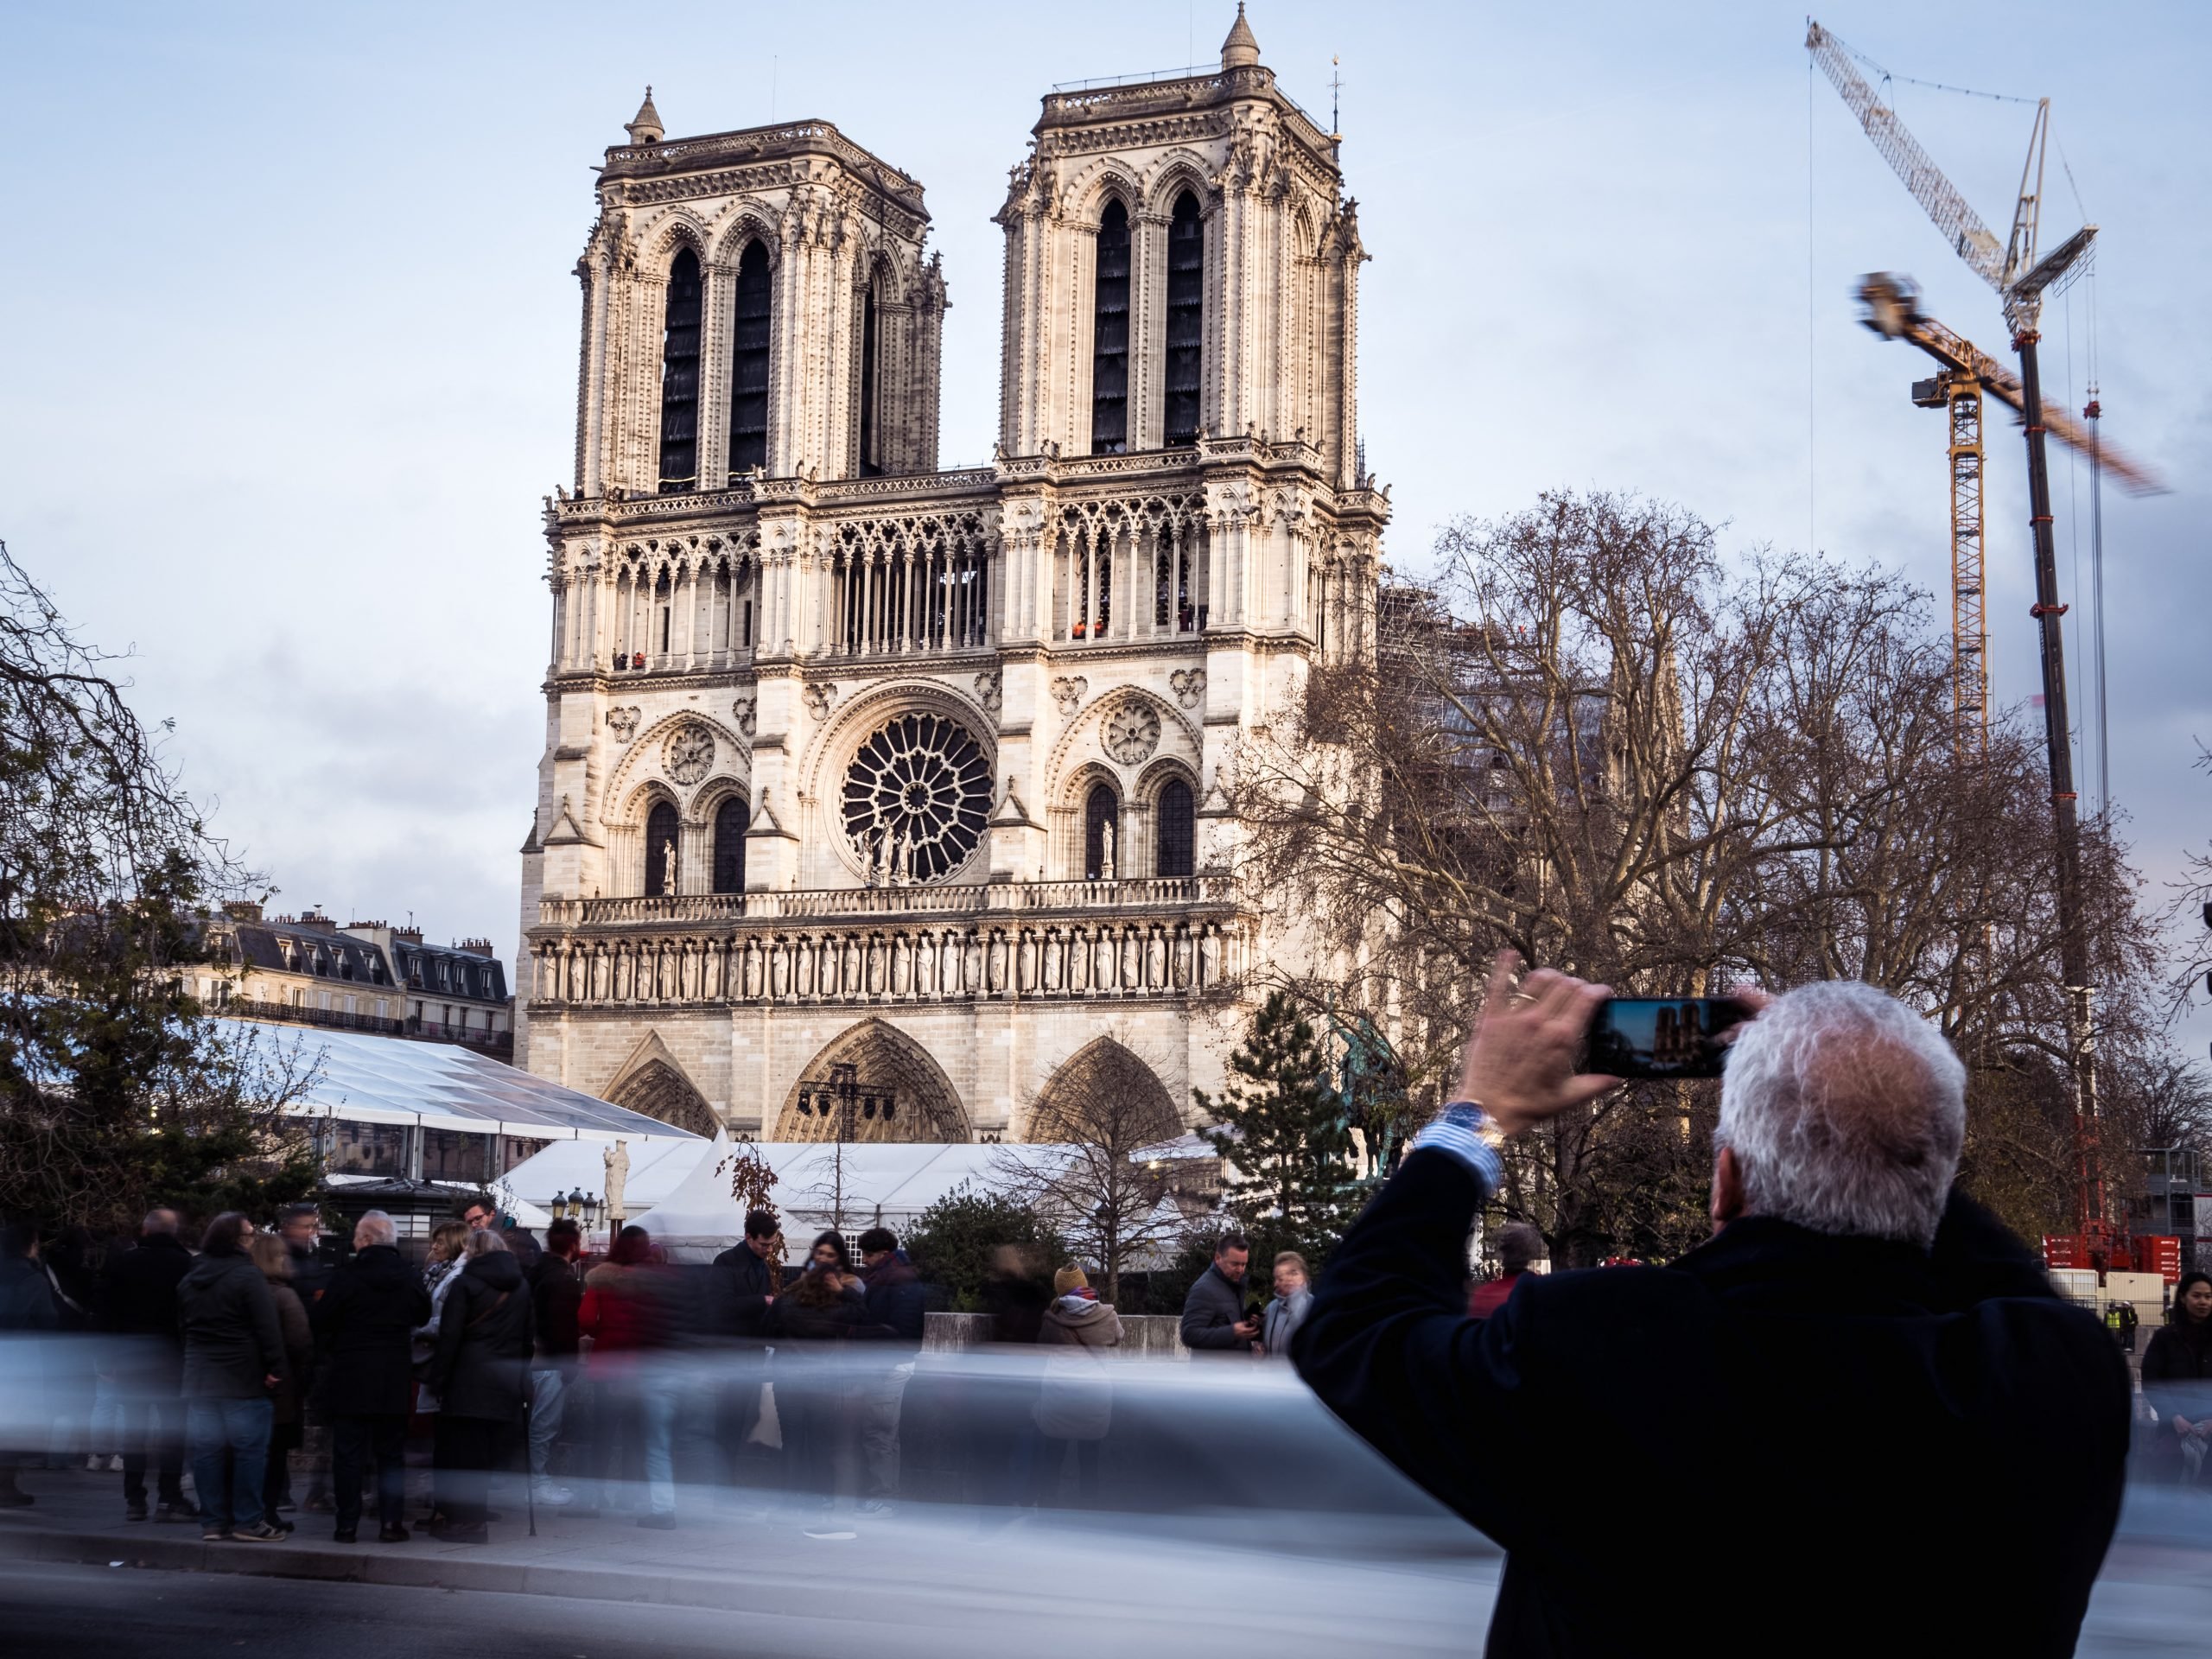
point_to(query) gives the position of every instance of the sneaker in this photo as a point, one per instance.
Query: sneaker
(830, 1533)
(320, 1503)
(283, 1525)
(96, 1464)
(214, 1535)
(261, 1534)
(552, 1497)
(876, 1506)
(344, 1536)
(658, 1522)
(393, 1535)
(172, 1512)
(115, 1464)
(137, 1511)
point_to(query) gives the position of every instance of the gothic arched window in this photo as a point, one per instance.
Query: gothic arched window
(662, 830)
(748, 368)
(679, 377)
(1176, 837)
(871, 450)
(1186, 309)
(729, 846)
(1109, 339)
(1101, 811)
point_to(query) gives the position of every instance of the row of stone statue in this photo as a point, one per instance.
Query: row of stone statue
(1106, 958)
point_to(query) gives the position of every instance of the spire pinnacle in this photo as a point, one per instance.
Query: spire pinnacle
(645, 127)
(1240, 50)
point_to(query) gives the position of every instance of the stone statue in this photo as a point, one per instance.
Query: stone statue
(1106, 852)
(617, 1160)
(667, 869)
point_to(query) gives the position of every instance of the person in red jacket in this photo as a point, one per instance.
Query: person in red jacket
(624, 1316)
(1519, 1248)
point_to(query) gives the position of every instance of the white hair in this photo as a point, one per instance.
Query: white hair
(1846, 1113)
(485, 1242)
(374, 1228)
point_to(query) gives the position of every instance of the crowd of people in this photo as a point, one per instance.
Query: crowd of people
(255, 1355)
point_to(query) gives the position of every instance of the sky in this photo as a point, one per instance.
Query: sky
(291, 331)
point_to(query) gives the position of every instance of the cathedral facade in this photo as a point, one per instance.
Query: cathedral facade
(884, 800)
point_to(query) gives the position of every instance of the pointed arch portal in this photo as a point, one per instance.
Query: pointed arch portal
(872, 1083)
(659, 1089)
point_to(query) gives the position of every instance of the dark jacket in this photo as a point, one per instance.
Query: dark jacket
(897, 1298)
(299, 1350)
(26, 1298)
(480, 1368)
(138, 1288)
(2177, 1375)
(310, 1273)
(845, 1320)
(231, 1339)
(1868, 1446)
(556, 1290)
(366, 1321)
(1211, 1308)
(738, 1286)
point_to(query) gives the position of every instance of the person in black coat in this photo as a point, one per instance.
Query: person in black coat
(365, 1323)
(137, 1309)
(816, 1401)
(29, 1312)
(480, 1373)
(1857, 1421)
(2177, 1379)
(741, 1285)
(233, 1361)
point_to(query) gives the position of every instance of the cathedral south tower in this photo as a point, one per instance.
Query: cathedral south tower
(867, 782)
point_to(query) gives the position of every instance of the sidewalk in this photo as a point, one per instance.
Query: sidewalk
(726, 1558)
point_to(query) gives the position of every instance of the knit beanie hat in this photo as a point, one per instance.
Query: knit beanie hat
(1068, 1281)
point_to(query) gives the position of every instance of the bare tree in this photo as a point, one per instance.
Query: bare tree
(114, 1092)
(1596, 742)
(1089, 1182)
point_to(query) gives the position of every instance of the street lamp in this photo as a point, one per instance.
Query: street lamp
(559, 1208)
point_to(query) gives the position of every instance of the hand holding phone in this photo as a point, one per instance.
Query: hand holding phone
(1522, 1064)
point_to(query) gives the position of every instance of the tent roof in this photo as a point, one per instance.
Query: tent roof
(374, 1079)
(901, 1179)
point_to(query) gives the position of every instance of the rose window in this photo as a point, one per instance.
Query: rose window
(916, 797)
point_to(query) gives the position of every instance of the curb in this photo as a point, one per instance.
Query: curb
(387, 1564)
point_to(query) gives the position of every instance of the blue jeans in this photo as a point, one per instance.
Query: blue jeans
(658, 1401)
(229, 1441)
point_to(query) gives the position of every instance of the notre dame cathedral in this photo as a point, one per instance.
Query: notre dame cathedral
(888, 801)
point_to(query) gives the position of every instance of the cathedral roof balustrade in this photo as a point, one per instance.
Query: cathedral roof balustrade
(750, 144)
(947, 960)
(968, 899)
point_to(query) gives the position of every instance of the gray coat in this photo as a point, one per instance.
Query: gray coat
(1212, 1306)
(1279, 1322)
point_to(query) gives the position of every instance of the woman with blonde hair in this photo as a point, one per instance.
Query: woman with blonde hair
(274, 1258)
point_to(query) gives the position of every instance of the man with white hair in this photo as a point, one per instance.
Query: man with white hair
(1855, 1421)
(365, 1322)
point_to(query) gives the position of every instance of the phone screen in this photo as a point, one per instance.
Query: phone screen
(1661, 1036)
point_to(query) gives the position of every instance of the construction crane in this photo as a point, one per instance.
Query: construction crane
(1891, 309)
(2020, 280)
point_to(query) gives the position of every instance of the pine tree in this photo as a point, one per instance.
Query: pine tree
(1280, 1125)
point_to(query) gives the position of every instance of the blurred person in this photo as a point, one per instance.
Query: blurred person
(1861, 1398)
(828, 1251)
(366, 1319)
(1075, 1400)
(234, 1360)
(1214, 1319)
(27, 1315)
(73, 1368)
(625, 1313)
(1294, 1301)
(2178, 1378)
(741, 1285)
(478, 1215)
(896, 1299)
(1520, 1247)
(300, 1225)
(1016, 1294)
(481, 1374)
(817, 1398)
(557, 1295)
(137, 1308)
(271, 1255)
(442, 1267)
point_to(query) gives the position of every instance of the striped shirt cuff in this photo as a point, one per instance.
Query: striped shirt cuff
(1458, 1132)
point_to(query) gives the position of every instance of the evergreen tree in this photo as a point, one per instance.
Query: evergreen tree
(1280, 1125)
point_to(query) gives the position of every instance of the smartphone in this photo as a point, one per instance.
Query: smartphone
(1666, 1036)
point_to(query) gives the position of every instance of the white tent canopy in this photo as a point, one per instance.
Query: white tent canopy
(657, 1165)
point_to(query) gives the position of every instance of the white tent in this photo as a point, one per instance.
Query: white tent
(658, 1164)
(882, 1185)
